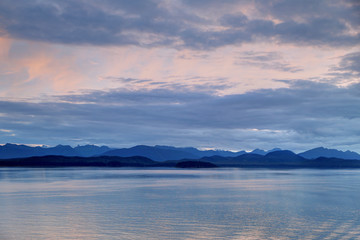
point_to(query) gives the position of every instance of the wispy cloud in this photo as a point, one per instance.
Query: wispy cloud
(175, 83)
(349, 65)
(266, 60)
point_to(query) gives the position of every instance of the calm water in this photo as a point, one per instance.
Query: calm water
(90, 203)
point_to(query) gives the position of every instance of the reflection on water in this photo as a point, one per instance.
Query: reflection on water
(90, 203)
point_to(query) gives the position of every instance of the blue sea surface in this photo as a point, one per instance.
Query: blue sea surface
(136, 203)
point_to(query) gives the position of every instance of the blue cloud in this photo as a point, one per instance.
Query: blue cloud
(154, 23)
(305, 115)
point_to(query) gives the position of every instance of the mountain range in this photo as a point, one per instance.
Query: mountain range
(275, 159)
(278, 159)
(330, 153)
(20, 151)
(164, 153)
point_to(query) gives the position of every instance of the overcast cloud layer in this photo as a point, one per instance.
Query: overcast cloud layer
(190, 24)
(305, 115)
(213, 74)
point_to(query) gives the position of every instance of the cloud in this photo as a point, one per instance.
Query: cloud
(209, 85)
(286, 10)
(350, 63)
(29, 68)
(305, 115)
(110, 23)
(234, 20)
(182, 24)
(347, 70)
(327, 31)
(266, 60)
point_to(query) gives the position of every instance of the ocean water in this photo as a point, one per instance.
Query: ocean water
(124, 203)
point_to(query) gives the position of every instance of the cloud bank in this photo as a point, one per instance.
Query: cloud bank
(182, 24)
(206, 73)
(303, 116)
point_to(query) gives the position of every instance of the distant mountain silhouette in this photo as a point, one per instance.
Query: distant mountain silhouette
(277, 159)
(283, 155)
(90, 150)
(253, 160)
(329, 153)
(163, 153)
(204, 153)
(154, 153)
(66, 161)
(262, 152)
(19, 151)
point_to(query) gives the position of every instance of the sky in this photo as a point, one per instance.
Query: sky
(212, 74)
